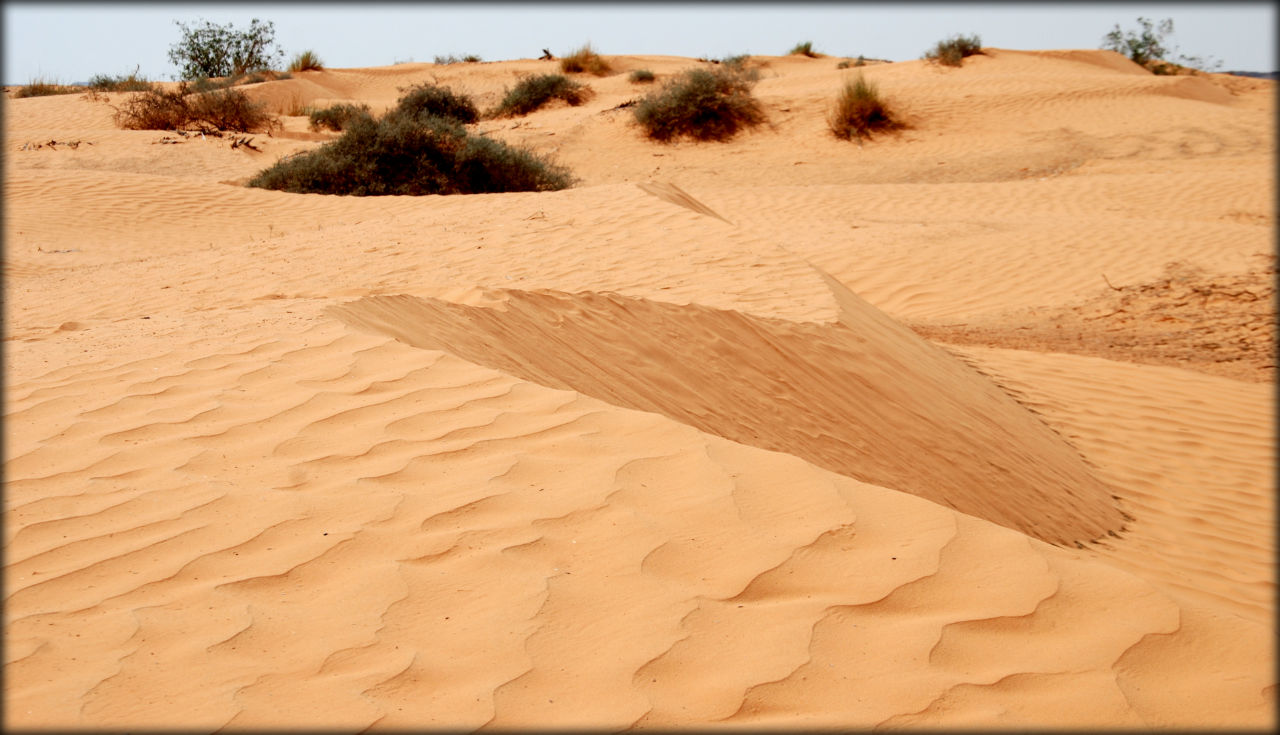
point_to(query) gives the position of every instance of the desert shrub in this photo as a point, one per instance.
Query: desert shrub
(585, 60)
(739, 60)
(804, 48)
(535, 91)
(412, 156)
(130, 83)
(40, 87)
(952, 51)
(306, 61)
(641, 76)
(859, 111)
(181, 109)
(1146, 46)
(336, 117)
(702, 104)
(429, 100)
(451, 59)
(209, 50)
(862, 61)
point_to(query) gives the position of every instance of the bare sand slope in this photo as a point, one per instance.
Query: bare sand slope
(970, 426)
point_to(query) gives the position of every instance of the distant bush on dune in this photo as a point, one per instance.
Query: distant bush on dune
(122, 83)
(451, 59)
(701, 104)
(40, 87)
(306, 61)
(859, 111)
(183, 109)
(411, 151)
(804, 48)
(952, 51)
(585, 60)
(337, 117)
(534, 92)
(641, 76)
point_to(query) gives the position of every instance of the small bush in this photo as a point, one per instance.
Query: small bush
(701, 104)
(130, 83)
(585, 60)
(859, 111)
(412, 156)
(337, 117)
(40, 87)
(952, 51)
(739, 61)
(180, 109)
(804, 49)
(641, 76)
(862, 61)
(306, 61)
(534, 92)
(429, 100)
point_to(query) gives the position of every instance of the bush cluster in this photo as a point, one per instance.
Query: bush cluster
(535, 91)
(585, 60)
(183, 109)
(413, 151)
(702, 104)
(859, 111)
(952, 51)
(337, 117)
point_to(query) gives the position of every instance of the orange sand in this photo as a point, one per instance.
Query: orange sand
(970, 425)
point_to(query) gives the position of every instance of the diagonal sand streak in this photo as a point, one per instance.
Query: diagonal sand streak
(671, 193)
(864, 397)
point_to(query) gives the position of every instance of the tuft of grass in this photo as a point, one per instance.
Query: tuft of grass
(952, 51)
(337, 117)
(859, 111)
(641, 76)
(41, 87)
(430, 100)
(533, 92)
(701, 104)
(804, 48)
(183, 109)
(585, 60)
(121, 83)
(306, 61)
(403, 155)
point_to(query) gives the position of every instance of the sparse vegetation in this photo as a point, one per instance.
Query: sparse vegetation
(533, 92)
(407, 155)
(130, 83)
(862, 61)
(208, 50)
(860, 111)
(306, 61)
(952, 51)
(702, 104)
(1146, 47)
(451, 59)
(337, 117)
(585, 60)
(41, 87)
(641, 76)
(804, 48)
(183, 109)
(429, 100)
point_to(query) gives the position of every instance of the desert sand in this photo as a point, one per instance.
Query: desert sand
(969, 425)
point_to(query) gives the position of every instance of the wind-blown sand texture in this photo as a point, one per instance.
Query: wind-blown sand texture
(970, 425)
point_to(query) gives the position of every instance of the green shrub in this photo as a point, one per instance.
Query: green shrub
(641, 76)
(533, 92)
(701, 104)
(860, 111)
(585, 60)
(412, 156)
(952, 51)
(337, 117)
(182, 109)
(208, 50)
(429, 100)
(40, 87)
(804, 49)
(130, 83)
(306, 61)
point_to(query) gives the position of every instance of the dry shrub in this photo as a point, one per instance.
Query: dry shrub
(337, 117)
(306, 61)
(952, 51)
(180, 109)
(701, 104)
(585, 60)
(859, 111)
(641, 76)
(804, 48)
(40, 87)
(533, 92)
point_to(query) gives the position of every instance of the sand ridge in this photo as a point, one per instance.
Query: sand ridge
(780, 432)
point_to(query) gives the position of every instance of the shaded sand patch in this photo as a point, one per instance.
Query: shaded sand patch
(864, 397)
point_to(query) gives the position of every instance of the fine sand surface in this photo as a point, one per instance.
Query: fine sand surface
(966, 426)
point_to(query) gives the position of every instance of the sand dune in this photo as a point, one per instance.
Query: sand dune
(967, 426)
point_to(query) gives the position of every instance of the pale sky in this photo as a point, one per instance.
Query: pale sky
(70, 42)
